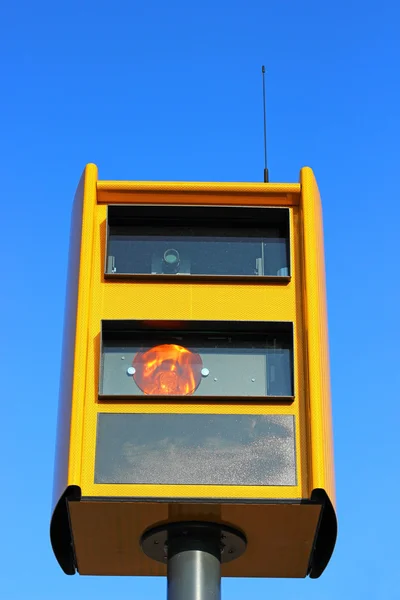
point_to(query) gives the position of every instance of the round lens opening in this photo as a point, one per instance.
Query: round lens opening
(167, 369)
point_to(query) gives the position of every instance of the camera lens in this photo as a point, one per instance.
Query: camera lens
(171, 261)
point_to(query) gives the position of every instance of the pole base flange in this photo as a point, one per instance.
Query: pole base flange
(154, 541)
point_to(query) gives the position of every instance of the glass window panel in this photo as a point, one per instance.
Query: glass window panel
(195, 449)
(222, 247)
(189, 363)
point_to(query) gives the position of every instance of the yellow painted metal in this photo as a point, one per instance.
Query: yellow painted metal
(318, 373)
(171, 192)
(301, 301)
(280, 536)
(181, 301)
(82, 331)
(199, 187)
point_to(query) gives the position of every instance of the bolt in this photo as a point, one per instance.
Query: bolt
(205, 372)
(131, 370)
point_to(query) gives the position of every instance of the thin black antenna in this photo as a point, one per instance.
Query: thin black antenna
(266, 176)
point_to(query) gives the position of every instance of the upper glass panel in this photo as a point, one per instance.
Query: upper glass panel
(197, 241)
(225, 363)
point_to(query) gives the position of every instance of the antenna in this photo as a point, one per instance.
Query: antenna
(266, 177)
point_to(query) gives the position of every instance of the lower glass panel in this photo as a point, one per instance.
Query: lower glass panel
(195, 449)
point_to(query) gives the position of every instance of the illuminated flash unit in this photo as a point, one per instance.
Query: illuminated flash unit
(167, 369)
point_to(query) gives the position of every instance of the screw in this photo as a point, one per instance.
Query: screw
(253, 379)
(131, 370)
(205, 372)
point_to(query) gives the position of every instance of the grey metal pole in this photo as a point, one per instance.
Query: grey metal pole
(193, 552)
(194, 568)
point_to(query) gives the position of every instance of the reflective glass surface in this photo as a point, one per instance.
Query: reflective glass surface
(212, 241)
(198, 365)
(197, 255)
(195, 449)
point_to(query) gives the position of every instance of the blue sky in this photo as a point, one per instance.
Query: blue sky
(152, 90)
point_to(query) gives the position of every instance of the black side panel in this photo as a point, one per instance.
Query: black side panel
(60, 531)
(325, 539)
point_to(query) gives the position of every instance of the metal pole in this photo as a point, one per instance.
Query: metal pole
(193, 552)
(194, 569)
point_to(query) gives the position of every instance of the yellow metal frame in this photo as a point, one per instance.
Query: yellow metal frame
(198, 187)
(300, 301)
(321, 463)
(183, 192)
